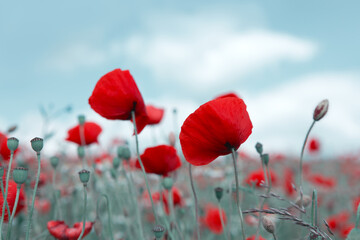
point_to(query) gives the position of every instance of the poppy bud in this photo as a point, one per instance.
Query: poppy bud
(20, 175)
(167, 183)
(219, 193)
(158, 231)
(172, 139)
(12, 144)
(321, 110)
(268, 224)
(84, 176)
(259, 148)
(1, 172)
(37, 144)
(116, 162)
(81, 151)
(54, 161)
(265, 159)
(124, 152)
(305, 202)
(113, 173)
(98, 226)
(81, 119)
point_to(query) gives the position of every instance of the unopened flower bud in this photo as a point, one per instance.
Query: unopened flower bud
(113, 173)
(81, 119)
(219, 193)
(116, 162)
(172, 139)
(12, 144)
(54, 161)
(81, 151)
(259, 148)
(158, 231)
(321, 110)
(268, 224)
(123, 152)
(84, 176)
(167, 183)
(98, 226)
(20, 175)
(265, 159)
(37, 144)
(305, 201)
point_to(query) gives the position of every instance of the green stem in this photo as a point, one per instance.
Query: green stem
(2, 192)
(6, 191)
(226, 233)
(172, 213)
(237, 194)
(314, 209)
(268, 180)
(301, 164)
(33, 197)
(108, 211)
(196, 204)
(82, 140)
(357, 217)
(142, 166)
(84, 216)
(55, 195)
(13, 211)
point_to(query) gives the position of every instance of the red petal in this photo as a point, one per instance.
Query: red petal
(57, 229)
(213, 129)
(115, 96)
(155, 114)
(91, 133)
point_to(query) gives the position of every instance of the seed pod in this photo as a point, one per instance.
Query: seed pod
(306, 201)
(219, 193)
(259, 148)
(84, 176)
(37, 144)
(268, 224)
(321, 110)
(167, 183)
(12, 144)
(158, 231)
(54, 161)
(20, 175)
(124, 152)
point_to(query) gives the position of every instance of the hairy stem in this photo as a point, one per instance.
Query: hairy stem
(108, 212)
(13, 211)
(237, 194)
(84, 216)
(6, 191)
(195, 203)
(33, 198)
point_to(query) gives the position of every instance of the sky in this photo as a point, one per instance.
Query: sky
(282, 58)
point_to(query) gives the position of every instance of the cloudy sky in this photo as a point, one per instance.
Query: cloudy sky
(282, 58)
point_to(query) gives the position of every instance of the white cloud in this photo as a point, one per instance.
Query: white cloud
(207, 59)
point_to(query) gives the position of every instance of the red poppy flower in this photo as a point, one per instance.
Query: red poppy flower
(322, 181)
(160, 160)
(62, 231)
(11, 199)
(289, 181)
(258, 177)
(4, 150)
(314, 145)
(116, 95)
(344, 232)
(214, 129)
(338, 221)
(212, 219)
(176, 196)
(154, 114)
(42, 205)
(253, 238)
(91, 133)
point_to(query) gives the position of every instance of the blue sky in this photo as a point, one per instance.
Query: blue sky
(282, 57)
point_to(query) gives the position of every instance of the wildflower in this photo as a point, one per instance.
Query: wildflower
(91, 133)
(212, 219)
(60, 230)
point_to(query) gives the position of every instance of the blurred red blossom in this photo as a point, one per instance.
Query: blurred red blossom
(11, 199)
(91, 133)
(257, 177)
(155, 114)
(314, 145)
(212, 218)
(63, 232)
(4, 150)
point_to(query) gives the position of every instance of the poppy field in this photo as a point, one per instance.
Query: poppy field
(199, 185)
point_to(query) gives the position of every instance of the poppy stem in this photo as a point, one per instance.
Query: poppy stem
(314, 209)
(195, 203)
(84, 216)
(13, 211)
(108, 212)
(142, 166)
(237, 194)
(33, 197)
(357, 217)
(301, 164)
(172, 212)
(167, 224)
(226, 233)
(6, 191)
(2, 191)
(133, 196)
(82, 140)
